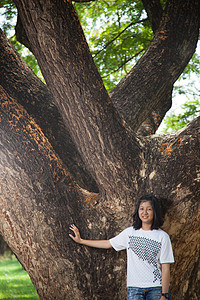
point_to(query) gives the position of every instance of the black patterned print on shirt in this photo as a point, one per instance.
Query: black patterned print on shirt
(147, 250)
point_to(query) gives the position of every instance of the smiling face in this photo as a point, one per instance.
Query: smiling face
(146, 214)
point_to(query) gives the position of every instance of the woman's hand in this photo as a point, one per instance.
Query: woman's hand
(77, 237)
(103, 244)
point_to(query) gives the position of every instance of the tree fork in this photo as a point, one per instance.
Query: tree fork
(38, 202)
(154, 115)
(81, 94)
(165, 59)
(35, 97)
(149, 168)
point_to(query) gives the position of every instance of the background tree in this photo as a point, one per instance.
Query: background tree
(191, 110)
(71, 152)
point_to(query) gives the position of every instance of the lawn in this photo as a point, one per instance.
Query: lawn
(14, 281)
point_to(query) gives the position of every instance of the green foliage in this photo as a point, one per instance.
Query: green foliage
(8, 15)
(118, 32)
(191, 110)
(192, 67)
(14, 281)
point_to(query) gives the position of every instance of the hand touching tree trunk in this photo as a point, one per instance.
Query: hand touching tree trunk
(41, 193)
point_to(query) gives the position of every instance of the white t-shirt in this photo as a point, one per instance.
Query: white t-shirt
(146, 251)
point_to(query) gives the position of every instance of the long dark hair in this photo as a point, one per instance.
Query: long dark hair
(157, 214)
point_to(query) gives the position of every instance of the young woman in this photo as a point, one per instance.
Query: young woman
(149, 251)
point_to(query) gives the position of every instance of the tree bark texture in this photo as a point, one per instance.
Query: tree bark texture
(41, 107)
(35, 187)
(154, 11)
(40, 197)
(165, 59)
(3, 246)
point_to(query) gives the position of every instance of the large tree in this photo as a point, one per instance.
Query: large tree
(71, 152)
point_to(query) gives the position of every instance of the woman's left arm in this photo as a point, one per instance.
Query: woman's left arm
(165, 269)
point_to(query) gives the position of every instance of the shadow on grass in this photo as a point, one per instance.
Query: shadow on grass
(14, 281)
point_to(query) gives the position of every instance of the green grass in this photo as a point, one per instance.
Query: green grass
(14, 281)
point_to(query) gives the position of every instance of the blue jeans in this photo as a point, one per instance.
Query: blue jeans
(153, 293)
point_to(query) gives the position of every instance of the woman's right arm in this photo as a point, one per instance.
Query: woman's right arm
(105, 244)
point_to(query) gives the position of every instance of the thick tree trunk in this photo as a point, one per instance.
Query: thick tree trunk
(38, 202)
(59, 269)
(39, 198)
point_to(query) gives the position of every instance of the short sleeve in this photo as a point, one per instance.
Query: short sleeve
(119, 242)
(166, 254)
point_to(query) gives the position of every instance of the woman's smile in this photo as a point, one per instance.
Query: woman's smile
(146, 212)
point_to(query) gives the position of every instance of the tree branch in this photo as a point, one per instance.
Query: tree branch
(125, 62)
(151, 124)
(34, 96)
(154, 11)
(178, 151)
(116, 37)
(21, 34)
(160, 66)
(63, 55)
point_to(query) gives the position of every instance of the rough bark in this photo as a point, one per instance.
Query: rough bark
(40, 105)
(21, 34)
(3, 246)
(150, 125)
(38, 202)
(165, 59)
(154, 12)
(83, 96)
(39, 199)
(153, 121)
